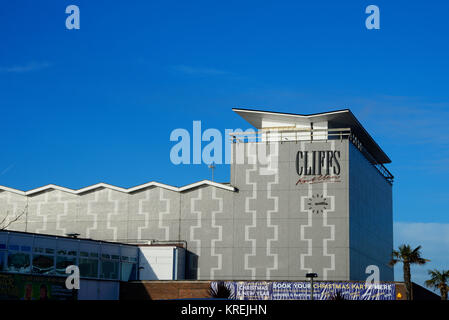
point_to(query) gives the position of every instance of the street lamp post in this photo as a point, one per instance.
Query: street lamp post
(311, 276)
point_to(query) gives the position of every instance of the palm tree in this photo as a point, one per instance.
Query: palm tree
(220, 291)
(439, 280)
(407, 256)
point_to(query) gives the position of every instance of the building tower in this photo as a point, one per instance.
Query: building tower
(313, 196)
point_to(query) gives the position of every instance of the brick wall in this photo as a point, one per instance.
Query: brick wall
(160, 290)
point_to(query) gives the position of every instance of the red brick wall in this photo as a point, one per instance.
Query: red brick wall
(160, 290)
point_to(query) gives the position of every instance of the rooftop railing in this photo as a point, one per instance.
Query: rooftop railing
(282, 134)
(289, 134)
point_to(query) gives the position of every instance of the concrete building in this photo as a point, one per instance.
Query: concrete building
(33, 267)
(30, 262)
(307, 193)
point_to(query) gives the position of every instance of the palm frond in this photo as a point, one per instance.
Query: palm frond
(220, 291)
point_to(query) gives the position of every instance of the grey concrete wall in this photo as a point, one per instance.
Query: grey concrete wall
(100, 214)
(12, 205)
(371, 218)
(278, 236)
(202, 216)
(207, 216)
(153, 213)
(271, 228)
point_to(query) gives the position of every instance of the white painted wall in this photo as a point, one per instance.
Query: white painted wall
(320, 135)
(293, 136)
(161, 263)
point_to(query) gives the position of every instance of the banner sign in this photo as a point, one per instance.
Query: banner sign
(323, 290)
(31, 287)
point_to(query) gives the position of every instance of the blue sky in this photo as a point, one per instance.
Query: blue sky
(98, 104)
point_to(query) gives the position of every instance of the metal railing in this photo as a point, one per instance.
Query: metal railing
(289, 134)
(282, 134)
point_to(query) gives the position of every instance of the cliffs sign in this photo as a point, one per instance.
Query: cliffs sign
(318, 166)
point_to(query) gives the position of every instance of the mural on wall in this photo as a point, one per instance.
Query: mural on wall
(27, 287)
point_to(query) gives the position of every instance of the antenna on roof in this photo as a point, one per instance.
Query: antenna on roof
(212, 167)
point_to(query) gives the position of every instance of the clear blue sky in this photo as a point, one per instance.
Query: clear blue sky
(98, 104)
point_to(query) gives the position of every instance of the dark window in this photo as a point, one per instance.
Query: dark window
(19, 262)
(129, 271)
(63, 262)
(43, 264)
(109, 269)
(2, 260)
(88, 268)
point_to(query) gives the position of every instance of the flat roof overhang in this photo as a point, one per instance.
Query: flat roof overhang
(336, 119)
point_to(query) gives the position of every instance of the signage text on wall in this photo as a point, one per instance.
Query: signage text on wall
(318, 166)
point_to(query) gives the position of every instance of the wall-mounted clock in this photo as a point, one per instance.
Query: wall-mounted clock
(317, 203)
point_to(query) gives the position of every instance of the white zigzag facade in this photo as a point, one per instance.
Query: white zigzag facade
(219, 229)
(272, 171)
(162, 213)
(252, 212)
